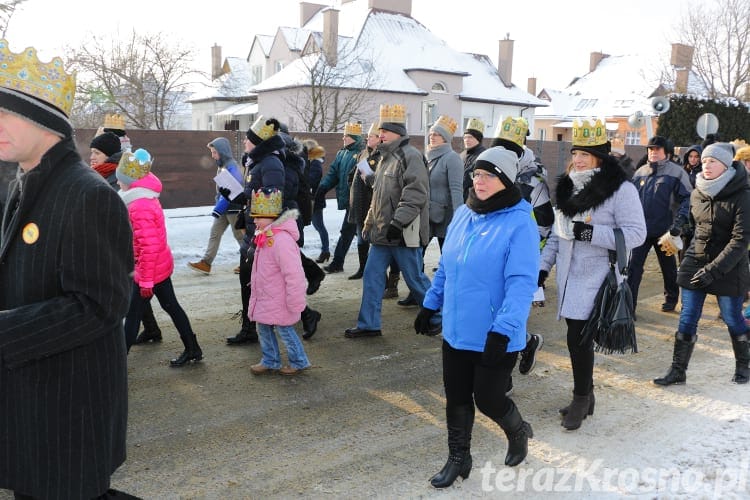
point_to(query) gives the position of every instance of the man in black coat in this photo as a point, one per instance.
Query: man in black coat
(66, 254)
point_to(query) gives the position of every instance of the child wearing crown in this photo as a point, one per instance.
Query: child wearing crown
(140, 189)
(277, 284)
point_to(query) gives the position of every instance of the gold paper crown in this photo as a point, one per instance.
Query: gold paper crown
(373, 129)
(114, 121)
(392, 114)
(475, 124)
(586, 134)
(512, 129)
(135, 165)
(48, 82)
(266, 203)
(351, 128)
(447, 123)
(262, 130)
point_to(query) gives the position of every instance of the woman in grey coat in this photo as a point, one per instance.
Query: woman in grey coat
(446, 177)
(593, 197)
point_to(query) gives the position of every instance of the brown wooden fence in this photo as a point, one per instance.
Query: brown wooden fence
(185, 167)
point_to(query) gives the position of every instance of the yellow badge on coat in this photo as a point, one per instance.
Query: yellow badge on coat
(30, 233)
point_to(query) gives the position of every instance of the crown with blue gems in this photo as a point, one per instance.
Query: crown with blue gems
(47, 82)
(513, 129)
(586, 133)
(266, 202)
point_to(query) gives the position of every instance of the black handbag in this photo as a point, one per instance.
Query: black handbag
(612, 321)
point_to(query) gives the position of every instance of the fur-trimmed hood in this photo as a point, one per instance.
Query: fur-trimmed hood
(603, 184)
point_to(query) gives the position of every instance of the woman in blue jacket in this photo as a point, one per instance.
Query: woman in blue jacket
(484, 285)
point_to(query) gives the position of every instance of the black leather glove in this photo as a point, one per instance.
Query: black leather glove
(582, 231)
(225, 192)
(240, 199)
(422, 321)
(542, 278)
(676, 228)
(394, 232)
(494, 349)
(702, 278)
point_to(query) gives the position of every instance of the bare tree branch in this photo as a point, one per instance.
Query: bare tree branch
(144, 78)
(720, 35)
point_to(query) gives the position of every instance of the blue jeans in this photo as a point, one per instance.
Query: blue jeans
(320, 227)
(410, 263)
(692, 307)
(270, 347)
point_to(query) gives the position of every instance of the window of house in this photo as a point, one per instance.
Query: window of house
(439, 87)
(633, 137)
(278, 66)
(542, 134)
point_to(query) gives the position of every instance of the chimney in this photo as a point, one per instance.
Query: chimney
(682, 56)
(505, 60)
(681, 80)
(400, 6)
(307, 10)
(331, 36)
(531, 86)
(595, 58)
(216, 62)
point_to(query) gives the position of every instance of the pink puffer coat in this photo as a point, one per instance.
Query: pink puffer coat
(153, 258)
(277, 291)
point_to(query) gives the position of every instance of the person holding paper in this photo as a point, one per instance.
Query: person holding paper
(224, 212)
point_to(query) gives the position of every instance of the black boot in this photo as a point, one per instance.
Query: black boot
(313, 274)
(391, 286)
(247, 335)
(310, 320)
(742, 359)
(518, 433)
(683, 349)
(592, 403)
(577, 411)
(460, 420)
(151, 331)
(192, 352)
(362, 251)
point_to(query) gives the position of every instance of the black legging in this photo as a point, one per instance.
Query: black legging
(581, 357)
(164, 292)
(467, 381)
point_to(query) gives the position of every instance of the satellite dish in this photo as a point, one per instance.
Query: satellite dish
(707, 124)
(660, 104)
(636, 120)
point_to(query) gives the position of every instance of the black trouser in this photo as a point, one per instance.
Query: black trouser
(164, 292)
(246, 266)
(581, 357)
(667, 264)
(467, 381)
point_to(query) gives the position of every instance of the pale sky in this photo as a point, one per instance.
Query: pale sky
(552, 40)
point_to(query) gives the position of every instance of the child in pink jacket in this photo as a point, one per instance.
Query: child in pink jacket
(277, 285)
(140, 190)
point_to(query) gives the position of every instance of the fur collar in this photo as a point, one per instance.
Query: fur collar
(602, 185)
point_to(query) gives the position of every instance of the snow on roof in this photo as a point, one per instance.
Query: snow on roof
(295, 37)
(234, 83)
(392, 45)
(618, 86)
(265, 42)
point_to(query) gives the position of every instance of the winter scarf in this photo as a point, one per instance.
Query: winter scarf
(106, 169)
(502, 199)
(713, 187)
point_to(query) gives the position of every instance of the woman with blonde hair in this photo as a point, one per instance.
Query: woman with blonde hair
(594, 197)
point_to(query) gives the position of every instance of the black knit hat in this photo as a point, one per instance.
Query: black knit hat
(600, 150)
(474, 133)
(108, 143)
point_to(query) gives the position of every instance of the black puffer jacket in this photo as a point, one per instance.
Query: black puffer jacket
(722, 233)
